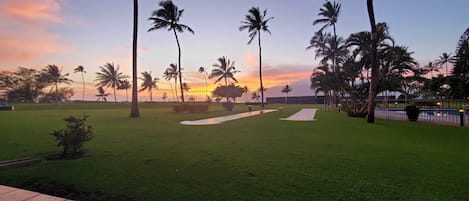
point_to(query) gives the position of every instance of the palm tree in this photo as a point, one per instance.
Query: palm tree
(172, 73)
(52, 74)
(330, 14)
(374, 63)
(125, 84)
(444, 59)
(255, 22)
(225, 69)
(286, 89)
(203, 71)
(81, 70)
(149, 83)
(109, 77)
(430, 67)
(102, 94)
(167, 17)
(134, 111)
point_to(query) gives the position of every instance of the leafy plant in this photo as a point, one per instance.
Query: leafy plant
(73, 136)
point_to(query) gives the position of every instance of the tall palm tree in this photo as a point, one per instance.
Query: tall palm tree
(52, 74)
(134, 111)
(109, 77)
(286, 89)
(223, 70)
(167, 17)
(125, 85)
(330, 14)
(149, 83)
(374, 63)
(444, 59)
(81, 69)
(203, 71)
(172, 73)
(255, 22)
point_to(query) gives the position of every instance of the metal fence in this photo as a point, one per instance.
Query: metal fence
(434, 111)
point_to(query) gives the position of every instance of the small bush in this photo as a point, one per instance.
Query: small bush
(73, 136)
(191, 108)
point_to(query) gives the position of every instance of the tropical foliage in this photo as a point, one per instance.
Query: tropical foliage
(168, 17)
(256, 22)
(148, 83)
(109, 76)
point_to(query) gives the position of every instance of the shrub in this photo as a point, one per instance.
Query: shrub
(191, 108)
(412, 112)
(73, 136)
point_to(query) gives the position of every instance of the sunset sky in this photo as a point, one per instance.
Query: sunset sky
(35, 33)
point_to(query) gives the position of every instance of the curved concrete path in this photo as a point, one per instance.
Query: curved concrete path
(219, 120)
(305, 114)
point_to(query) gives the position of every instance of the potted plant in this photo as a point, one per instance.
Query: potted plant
(412, 112)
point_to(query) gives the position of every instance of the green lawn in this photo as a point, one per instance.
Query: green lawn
(256, 158)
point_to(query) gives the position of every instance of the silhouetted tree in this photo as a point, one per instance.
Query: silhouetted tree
(149, 83)
(444, 59)
(102, 95)
(125, 85)
(109, 77)
(81, 69)
(52, 74)
(223, 70)
(374, 63)
(172, 73)
(204, 72)
(168, 17)
(255, 22)
(286, 89)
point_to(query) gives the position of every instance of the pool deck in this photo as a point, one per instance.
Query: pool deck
(219, 120)
(15, 194)
(305, 114)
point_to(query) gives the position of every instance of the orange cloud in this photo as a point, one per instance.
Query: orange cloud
(23, 30)
(280, 75)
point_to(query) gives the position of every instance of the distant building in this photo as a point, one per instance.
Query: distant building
(312, 99)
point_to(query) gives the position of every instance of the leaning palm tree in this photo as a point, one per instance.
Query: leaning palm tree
(81, 69)
(223, 70)
(109, 77)
(255, 22)
(203, 71)
(167, 17)
(286, 89)
(134, 112)
(125, 85)
(149, 83)
(172, 73)
(444, 59)
(431, 67)
(52, 74)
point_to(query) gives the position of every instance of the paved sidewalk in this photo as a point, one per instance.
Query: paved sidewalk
(15, 194)
(219, 120)
(305, 114)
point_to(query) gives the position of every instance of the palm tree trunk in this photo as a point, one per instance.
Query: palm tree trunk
(260, 70)
(151, 96)
(56, 92)
(179, 65)
(206, 88)
(176, 88)
(126, 95)
(172, 91)
(115, 97)
(83, 80)
(374, 64)
(134, 112)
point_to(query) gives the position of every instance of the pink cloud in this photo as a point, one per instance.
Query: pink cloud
(23, 30)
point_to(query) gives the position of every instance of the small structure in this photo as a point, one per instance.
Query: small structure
(4, 105)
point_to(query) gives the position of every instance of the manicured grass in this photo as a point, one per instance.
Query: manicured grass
(256, 158)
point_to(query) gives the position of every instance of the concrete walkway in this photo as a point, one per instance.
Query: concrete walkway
(305, 114)
(15, 194)
(219, 120)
